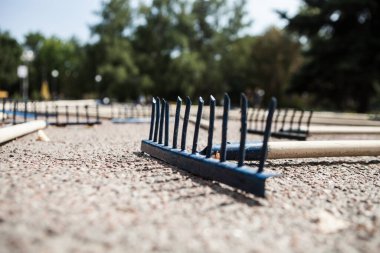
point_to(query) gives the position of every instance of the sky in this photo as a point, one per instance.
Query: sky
(67, 18)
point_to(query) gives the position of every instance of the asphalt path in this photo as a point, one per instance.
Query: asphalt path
(90, 189)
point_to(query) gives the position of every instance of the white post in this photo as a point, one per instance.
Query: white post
(12, 132)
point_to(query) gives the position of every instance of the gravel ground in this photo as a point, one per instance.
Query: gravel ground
(91, 190)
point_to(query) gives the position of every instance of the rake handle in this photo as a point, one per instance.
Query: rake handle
(308, 149)
(312, 149)
(344, 130)
(12, 132)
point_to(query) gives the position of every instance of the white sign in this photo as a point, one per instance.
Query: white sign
(22, 71)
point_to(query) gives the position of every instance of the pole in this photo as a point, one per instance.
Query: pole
(307, 149)
(312, 149)
(12, 132)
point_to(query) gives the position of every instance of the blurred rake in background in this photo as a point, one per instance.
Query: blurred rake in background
(287, 123)
(130, 113)
(16, 112)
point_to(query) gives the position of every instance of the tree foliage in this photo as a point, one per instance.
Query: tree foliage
(342, 51)
(165, 48)
(113, 52)
(275, 58)
(50, 54)
(10, 52)
(179, 44)
(266, 62)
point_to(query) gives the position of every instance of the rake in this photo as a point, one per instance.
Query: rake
(288, 123)
(204, 165)
(296, 124)
(11, 132)
(130, 114)
(23, 111)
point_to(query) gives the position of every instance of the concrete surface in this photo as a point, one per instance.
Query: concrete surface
(91, 190)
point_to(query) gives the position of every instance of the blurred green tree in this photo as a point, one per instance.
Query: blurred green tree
(179, 44)
(237, 66)
(66, 57)
(10, 52)
(265, 62)
(33, 41)
(113, 53)
(342, 51)
(275, 57)
(217, 24)
(156, 42)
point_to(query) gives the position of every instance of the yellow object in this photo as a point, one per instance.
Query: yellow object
(3, 94)
(41, 136)
(45, 93)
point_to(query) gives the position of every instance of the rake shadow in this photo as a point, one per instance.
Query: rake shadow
(237, 195)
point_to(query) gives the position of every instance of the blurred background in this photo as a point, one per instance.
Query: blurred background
(319, 54)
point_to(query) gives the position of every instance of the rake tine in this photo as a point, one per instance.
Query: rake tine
(276, 120)
(211, 126)
(243, 130)
(251, 118)
(25, 109)
(292, 119)
(46, 113)
(112, 111)
(257, 118)
(308, 122)
(272, 108)
(77, 113)
(97, 113)
(176, 121)
(161, 130)
(166, 143)
(56, 114)
(185, 123)
(226, 108)
(284, 118)
(300, 121)
(35, 110)
(125, 111)
(14, 112)
(87, 116)
(152, 119)
(3, 117)
(157, 119)
(67, 114)
(197, 124)
(263, 120)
